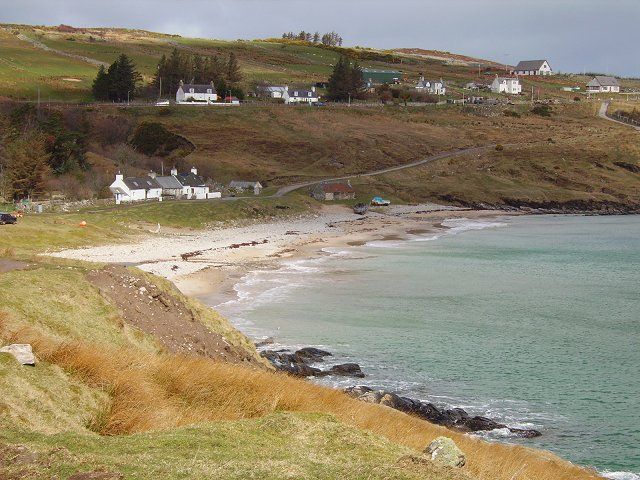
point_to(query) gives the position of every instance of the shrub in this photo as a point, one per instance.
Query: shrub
(542, 110)
(576, 99)
(152, 138)
(511, 113)
(499, 147)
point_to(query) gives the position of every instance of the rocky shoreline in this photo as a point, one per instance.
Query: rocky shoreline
(299, 364)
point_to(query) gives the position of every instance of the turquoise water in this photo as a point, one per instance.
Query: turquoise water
(534, 321)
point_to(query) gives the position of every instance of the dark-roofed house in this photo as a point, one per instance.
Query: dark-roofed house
(533, 67)
(333, 191)
(295, 95)
(133, 189)
(241, 186)
(194, 184)
(190, 93)
(603, 84)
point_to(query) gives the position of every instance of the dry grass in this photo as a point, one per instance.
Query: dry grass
(151, 392)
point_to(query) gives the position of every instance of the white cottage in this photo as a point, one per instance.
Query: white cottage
(192, 93)
(603, 84)
(293, 95)
(533, 67)
(133, 189)
(509, 85)
(194, 185)
(435, 87)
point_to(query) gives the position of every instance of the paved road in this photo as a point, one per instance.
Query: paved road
(603, 114)
(455, 153)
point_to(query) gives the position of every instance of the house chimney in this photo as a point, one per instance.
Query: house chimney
(194, 170)
(174, 171)
(119, 176)
(286, 87)
(313, 89)
(152, 174)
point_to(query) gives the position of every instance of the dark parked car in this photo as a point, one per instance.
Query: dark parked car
(6, 219)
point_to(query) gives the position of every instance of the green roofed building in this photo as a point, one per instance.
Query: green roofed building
(377, 77)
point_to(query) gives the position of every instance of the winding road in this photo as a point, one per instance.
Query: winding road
(603, 114)
(440, 156)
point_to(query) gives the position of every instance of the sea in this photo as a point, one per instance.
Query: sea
(531, 320)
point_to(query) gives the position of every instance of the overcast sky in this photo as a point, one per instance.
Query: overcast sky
(575, 35)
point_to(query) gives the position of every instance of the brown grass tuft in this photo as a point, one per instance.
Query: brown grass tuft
(157, 392)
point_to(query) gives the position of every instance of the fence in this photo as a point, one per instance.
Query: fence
(625, 119)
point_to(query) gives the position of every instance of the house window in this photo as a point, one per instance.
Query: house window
(209, 90)
(191, 90)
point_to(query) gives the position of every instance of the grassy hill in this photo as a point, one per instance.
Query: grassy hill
(25, 67)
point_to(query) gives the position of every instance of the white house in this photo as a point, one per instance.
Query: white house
(436, 87)
(194, 185)
(273, 91)
(533, 67)
(133, 189)
(603, 84)
(510, 85)
(293, 95)
(241, 186)
(192, 93)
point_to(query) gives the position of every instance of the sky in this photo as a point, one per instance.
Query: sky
(574, 35)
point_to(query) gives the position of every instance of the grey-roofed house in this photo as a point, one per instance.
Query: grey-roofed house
(533, 67)
(190, 93)
(296, 95)
(241, 186)
(133, 189)
(272, 91)
(603, 84)
(436, 87)
(171, 186)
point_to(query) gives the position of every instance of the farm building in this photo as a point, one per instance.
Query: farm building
(435, 87)
(373, 77)
(333, 191)
(241, 186)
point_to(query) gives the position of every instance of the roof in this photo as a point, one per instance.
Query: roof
(141, 183)
(373, 70)
(190, 180)
(603, 81)
(527, 65)
(198, 88)
(337, 188)
(168, 182)
(301, 93)
(242, 184)
(272, 88)
(424, 83)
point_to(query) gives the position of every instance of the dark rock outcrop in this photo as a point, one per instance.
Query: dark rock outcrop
(455, 418)
(297, 363)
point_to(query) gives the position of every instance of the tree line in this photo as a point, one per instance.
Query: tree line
(225, 74)
(331, 39)
(120, 82)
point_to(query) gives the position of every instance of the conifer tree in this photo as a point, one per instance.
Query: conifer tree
(233, 70)
(100, 87)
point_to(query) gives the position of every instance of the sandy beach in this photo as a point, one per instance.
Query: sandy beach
(210, 262)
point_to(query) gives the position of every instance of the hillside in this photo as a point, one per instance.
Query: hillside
(63, 63)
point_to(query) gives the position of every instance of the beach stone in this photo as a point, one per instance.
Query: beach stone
(22, 352)
(444, 451)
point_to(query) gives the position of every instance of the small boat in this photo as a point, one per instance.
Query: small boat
(360, 208)
(380, 202)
